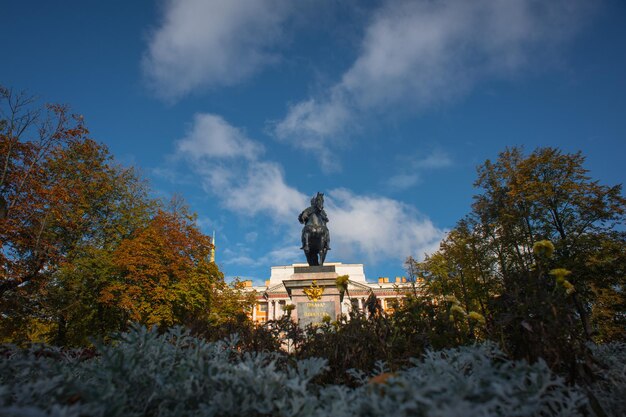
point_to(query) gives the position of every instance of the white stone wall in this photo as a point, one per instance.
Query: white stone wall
(355, 271)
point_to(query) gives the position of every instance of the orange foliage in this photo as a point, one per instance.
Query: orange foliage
(83, 249)
(160, 268)
(35, 193)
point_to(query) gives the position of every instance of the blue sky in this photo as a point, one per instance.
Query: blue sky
(247, 108)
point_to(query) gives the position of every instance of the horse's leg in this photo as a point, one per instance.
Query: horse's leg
(319, 246)
(322, 248)
(314, 249)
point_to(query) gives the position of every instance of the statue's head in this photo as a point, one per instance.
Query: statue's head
(318, 201)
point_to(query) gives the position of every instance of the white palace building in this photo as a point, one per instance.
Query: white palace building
(313, 292)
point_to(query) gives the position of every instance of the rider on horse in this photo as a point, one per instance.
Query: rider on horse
(316, 209)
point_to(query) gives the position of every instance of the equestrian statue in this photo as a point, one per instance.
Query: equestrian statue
(315, 235)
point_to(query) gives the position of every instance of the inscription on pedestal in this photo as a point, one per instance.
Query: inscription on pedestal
(313, 269)
(314, 311)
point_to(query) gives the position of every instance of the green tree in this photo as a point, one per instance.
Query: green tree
(84, 249)
(488, 262)
(68, 205)
(549, 195)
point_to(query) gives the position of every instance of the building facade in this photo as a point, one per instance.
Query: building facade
(313, 294)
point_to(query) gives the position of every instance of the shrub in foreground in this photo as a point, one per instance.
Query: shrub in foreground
(175, 374)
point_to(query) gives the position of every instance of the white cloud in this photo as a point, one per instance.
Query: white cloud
(314, 118)
(402, 181)
(211, 136)
(263, 190)
(378, 227)
(209, 43)
(412, 168)
(417, 54)
(310, 123)
(436, 159)
(281, 255)
(227, 162)
(242, 260)
(251, 237)
(370, 228)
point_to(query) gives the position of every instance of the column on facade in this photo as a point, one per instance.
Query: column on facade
(360, 304)
(254, 307)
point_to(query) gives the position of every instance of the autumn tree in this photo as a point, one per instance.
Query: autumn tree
(549, 195)
(85, 250)
(105, 204)
(165, 276)
(27, 199)
(67, 205)
(489, 262)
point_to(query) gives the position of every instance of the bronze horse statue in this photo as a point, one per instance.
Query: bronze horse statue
(315, 235)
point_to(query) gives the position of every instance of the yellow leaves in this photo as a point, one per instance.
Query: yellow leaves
(473, 315)
(559, 275)
(106, 296)
(451, 299)
(568, 286)
(342, 285)
(543, 249)
(342, 281)
(457, 309)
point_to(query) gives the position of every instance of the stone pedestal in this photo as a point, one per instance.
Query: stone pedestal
(311, 310)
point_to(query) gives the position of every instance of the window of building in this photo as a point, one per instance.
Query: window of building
(263, 307)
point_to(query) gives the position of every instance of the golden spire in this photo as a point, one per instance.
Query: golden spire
(213, 248)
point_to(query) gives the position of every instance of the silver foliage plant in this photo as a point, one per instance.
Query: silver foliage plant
(175, 374)
(610, 385)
